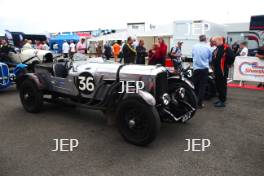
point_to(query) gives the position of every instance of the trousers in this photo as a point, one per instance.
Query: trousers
(200, 80)
(221, 86)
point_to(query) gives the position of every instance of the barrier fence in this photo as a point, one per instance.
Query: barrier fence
(248, 69)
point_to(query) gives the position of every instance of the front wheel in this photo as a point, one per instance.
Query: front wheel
(186, 93)
(138, 123)
(31, 97)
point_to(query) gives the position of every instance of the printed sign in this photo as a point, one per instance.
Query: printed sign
(249, 69)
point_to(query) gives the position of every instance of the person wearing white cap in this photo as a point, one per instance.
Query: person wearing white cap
(176, 51)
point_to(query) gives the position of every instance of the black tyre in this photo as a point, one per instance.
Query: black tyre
(31, 97)
(137, 122)
(189, 96)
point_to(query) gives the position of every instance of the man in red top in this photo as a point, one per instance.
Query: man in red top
(163, 51)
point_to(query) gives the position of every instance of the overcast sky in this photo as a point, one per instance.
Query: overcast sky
(35, 16)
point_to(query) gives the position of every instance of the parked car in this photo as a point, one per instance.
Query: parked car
(107, 86)
(10, 71)
(7, 76)
(41, 56)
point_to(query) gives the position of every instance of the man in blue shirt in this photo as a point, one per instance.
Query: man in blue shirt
(201, 55)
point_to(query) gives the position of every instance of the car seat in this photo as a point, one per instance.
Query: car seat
(48, 58)
(59, 70)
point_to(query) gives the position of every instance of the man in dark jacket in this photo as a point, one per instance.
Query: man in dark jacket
(107, 51)
(141, 53)
(5, 49)
(223, 58)
(235, 48)
(129, 52)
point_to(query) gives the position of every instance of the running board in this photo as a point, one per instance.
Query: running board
(73, 104)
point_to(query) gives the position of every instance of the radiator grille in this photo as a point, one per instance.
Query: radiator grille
(161, 85)
(4, 74)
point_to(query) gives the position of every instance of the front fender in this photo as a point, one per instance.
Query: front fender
(182, 79)
(145, 96)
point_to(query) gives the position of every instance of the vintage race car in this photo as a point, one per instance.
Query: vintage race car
(11, 71)
(5, 76)
(8, 77)
(141, 96)
(40, 56)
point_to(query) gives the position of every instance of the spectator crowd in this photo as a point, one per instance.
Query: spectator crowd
(216, 54)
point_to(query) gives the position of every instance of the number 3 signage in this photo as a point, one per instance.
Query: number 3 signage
(85, 83)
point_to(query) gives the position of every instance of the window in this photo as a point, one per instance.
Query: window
(135, 27)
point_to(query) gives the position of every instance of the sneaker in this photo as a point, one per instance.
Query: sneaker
(216, 102)
(201, 106)
(220, 104)
(260, 85)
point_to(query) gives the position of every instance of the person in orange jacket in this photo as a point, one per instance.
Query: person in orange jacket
(116, 50)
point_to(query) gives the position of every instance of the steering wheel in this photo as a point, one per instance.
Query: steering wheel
(68, 64)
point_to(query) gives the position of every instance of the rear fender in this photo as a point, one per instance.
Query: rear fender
(19, 68)
(32, 77)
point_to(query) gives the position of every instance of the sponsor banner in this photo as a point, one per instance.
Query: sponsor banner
(249, 69)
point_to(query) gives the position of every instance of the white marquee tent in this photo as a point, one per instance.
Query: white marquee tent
(115, 36)
(162, 30)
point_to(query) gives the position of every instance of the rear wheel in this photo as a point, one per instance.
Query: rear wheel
(31, 97)
(138, 123)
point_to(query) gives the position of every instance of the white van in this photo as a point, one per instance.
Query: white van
(189, 31)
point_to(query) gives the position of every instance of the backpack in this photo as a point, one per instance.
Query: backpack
(176, 50)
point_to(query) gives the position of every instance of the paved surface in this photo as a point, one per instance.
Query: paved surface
(236, 134)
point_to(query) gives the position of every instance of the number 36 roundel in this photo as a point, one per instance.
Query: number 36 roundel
(85, 83)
